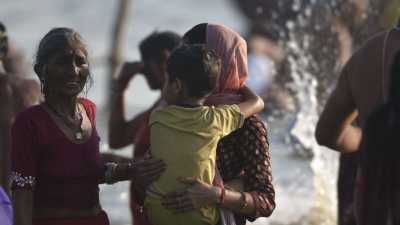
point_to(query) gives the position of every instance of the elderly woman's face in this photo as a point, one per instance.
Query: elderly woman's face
(67, 71)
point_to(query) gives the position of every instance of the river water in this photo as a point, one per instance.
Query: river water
(305, 188)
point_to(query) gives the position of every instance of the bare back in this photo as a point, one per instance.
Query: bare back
(16, 94)
(359, 91)
(367, 81)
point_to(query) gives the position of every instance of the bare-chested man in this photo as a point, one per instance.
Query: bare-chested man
(16, 93)
(362, 86)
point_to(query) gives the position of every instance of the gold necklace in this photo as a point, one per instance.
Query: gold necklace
(76, 128)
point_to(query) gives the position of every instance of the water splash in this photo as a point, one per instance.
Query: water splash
(324, 163)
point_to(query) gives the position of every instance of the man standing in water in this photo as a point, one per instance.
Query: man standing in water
(362, 86)
(16, 94)
(155, 50)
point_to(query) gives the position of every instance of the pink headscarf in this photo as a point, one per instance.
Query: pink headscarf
(232, 49)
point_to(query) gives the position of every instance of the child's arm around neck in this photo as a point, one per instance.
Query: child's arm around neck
(252, 103)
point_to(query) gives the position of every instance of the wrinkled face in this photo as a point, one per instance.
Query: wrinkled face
(155, 73)
(67, 72)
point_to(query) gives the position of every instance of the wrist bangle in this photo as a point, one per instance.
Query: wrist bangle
(109, 174)
(130, 170)
(243, 201)
(222, 196)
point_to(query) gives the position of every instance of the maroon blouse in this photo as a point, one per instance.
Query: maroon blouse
(244, 154)
(61, 174)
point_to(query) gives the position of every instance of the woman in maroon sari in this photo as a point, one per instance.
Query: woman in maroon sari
(56, 164)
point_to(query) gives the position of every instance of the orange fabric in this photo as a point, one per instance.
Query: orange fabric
(232, 49)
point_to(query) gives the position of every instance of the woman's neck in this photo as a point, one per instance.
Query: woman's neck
(191, 101)
(66, 105)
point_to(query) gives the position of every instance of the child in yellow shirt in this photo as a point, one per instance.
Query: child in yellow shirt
(185, 134)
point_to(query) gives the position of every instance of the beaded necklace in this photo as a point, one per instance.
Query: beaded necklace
(76, 128)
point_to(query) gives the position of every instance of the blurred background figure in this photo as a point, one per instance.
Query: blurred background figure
(154, 50)
(377, 196)
(362, 87)
(16, 93)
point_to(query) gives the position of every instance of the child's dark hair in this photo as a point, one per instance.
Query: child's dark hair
(380, 158)
(197, 67)
(3, 41)
(152, 46)
(196, 35)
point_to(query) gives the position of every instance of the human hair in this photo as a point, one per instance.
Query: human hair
(197, 67)
(3, 41)
(152, 46)
(380, 158)
(56, 40)
(196, 35)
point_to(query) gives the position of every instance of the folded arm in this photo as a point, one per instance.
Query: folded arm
(22, 206)
(334, 128)
(252, 103)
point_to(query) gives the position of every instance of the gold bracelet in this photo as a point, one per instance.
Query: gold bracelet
(243, 201)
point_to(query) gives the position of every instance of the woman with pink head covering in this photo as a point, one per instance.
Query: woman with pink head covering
(243, 156)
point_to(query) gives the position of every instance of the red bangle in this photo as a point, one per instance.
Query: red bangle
(243, 203)
(222, 196)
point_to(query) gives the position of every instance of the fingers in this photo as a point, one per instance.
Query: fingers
(149, 165)
(175, 194)
(129, 69)
(150, 162)
(149, 177)
(148, 170)
(178, 203)
(188, 180)
(184, 208)
(154, 174)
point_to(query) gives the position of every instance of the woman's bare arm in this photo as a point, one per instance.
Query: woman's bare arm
(23, 206)
(334, 128)
(252, 103)
(121, 131)
(142, 172)
(200, 194)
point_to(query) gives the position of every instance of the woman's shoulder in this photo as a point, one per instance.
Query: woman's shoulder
(31, 111)
(255, 121)
(87, 103)
(30, 114)
(90, 108)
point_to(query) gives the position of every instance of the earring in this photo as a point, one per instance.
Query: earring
(42, 85)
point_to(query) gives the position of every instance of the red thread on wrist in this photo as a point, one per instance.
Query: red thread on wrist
(222, 196)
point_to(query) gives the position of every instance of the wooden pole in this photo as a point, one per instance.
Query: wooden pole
(115, 57)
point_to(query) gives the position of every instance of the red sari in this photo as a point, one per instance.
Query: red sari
(60, 173)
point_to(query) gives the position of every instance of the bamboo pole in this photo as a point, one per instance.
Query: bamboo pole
(115, 57)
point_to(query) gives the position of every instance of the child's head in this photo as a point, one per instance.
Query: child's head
(193, 73)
